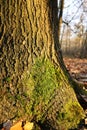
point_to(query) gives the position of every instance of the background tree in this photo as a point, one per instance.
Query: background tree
(83, 53)
(84, 41)
(33, 80)
(60, 14)
(74, 17)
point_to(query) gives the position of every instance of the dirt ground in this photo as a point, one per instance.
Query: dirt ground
(77, 68)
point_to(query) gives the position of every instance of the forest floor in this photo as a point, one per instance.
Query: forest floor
(78, 70)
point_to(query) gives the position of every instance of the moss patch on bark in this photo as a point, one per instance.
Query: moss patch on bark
(46, 85)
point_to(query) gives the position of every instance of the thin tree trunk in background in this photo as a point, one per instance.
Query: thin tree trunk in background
(83, 52)
(60, 14)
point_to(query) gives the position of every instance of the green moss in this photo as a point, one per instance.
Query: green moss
(7, 79)
(40, 84)
(70, 116)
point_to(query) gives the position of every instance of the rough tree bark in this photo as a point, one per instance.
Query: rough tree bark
(29, 31)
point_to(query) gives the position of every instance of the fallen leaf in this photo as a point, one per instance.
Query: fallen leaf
(17, 126)
(28, 126)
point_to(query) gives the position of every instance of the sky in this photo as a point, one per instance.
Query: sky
(73, 11)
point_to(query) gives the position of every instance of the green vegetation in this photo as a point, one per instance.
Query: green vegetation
(40, 86)
(44, 89)
(7, 79)
(70, 115)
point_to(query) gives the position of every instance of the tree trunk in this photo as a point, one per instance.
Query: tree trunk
(60, 13)
(83, 52)
(33, 83)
